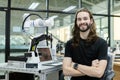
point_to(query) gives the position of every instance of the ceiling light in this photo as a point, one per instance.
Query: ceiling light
(53, 17)
(69, 8)
(33, 5)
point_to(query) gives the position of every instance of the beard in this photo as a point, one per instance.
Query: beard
(84, 30)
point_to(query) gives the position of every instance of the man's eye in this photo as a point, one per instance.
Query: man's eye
(78, 19)
(85, 18)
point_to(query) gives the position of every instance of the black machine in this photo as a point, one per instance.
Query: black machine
(36, 40)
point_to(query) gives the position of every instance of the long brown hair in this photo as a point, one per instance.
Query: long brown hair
(92, 36)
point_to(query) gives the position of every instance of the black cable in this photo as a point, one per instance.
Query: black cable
(26, 19)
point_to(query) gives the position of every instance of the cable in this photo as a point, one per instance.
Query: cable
(26, 19)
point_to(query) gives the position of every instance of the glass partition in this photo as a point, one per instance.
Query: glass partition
(29, 4)
(2, 36)
(96, 6)
(18, 39)
(67, 5)
(3, 3)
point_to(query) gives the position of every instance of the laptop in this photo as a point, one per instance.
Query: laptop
(46, 57)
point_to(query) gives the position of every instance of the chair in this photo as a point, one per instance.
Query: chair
(109, 72)
(62, 77)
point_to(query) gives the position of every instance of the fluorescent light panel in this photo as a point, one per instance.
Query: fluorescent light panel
(69, 8)
(53, 17)
(33, 5)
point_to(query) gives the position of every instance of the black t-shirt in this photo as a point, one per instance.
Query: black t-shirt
(85, 53)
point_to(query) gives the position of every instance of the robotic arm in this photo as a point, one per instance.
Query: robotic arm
(36, 40)
(39, 22)
(36, 23)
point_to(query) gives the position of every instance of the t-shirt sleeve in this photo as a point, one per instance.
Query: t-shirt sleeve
(68, 49)
(103, 48)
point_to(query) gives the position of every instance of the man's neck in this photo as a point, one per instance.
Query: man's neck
(84, 35)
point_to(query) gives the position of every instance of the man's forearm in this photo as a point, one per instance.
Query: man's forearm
(90, 70)
(70, 71)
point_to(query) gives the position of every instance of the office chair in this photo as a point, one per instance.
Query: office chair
(109, 72)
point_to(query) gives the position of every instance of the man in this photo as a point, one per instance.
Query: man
(86, 53)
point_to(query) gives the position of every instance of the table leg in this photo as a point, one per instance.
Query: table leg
(6, 75)
(43, 76)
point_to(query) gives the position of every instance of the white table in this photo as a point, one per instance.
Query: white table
(41, 72)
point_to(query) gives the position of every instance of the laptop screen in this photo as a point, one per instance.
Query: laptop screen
(45, 54)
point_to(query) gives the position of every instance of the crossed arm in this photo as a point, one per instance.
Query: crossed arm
(96, 70)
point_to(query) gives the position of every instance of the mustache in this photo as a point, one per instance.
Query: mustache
(88, 27)
(84, 24)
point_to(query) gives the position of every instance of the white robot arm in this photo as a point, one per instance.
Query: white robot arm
(29, 26)
(39, 23)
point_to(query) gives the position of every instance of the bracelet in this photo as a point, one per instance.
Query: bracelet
(75, 66)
